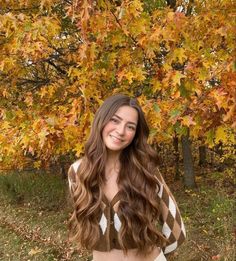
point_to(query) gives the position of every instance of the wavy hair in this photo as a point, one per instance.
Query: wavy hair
(138, 208)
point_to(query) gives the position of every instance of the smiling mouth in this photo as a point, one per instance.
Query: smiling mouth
(115, 138)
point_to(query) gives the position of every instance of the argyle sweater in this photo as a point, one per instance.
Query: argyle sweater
(172, 224)
(170, 219)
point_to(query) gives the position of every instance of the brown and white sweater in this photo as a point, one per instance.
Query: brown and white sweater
(109, 222)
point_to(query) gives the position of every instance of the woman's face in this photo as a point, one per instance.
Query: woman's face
(119, 132)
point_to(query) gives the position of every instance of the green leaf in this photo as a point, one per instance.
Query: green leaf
(156, 107)
(174, 113)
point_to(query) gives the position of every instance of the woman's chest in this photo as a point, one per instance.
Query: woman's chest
(110, 189)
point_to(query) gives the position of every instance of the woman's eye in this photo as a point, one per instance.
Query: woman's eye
(131, 128)
(114, 120)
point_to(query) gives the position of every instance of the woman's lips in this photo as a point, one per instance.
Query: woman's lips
(115, 139)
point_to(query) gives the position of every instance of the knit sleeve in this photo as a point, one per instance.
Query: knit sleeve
(172, 224)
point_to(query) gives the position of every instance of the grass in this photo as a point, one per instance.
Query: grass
(40, 189)
(34, 211)
(208, 213)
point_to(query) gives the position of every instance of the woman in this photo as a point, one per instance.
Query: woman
(119, 196)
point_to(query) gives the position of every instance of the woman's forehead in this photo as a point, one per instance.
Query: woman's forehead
(127, 113)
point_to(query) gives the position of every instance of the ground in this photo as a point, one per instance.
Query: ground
(32, 233)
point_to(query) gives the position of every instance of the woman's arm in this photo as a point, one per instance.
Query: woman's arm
(172, 225)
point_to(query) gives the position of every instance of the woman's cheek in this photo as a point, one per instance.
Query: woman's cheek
(131, 136)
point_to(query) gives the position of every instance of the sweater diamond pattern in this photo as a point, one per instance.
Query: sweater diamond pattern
(103, 223)
(172, 225)
(117, 222)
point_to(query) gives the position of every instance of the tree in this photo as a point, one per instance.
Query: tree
(60, 59)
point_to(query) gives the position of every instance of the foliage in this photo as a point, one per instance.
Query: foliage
(60, 59)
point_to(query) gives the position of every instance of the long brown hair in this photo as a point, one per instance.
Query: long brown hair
(138, 207)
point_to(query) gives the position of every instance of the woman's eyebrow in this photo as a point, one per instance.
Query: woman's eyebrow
(131, 122)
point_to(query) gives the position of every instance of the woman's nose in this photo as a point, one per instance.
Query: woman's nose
(120, 129)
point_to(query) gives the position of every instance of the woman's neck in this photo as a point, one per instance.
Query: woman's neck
(112, 157)
(112, 165)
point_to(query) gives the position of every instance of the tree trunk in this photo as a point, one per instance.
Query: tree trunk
(171, 3)
(63, 171)
(189, 177)
(176, 154)
(202, 156)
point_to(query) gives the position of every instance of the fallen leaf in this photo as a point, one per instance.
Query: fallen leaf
(217, 257)
(34, 251)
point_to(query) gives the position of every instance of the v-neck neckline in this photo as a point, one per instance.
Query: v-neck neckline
(113, 200)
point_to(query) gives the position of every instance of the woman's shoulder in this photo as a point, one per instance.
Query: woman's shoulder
(72, 172)
(74, 166)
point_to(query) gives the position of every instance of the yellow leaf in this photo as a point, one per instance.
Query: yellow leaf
(29, 99)
(156, 85)
(25, 141)
(52, 121)
(179, 54)
(42, 137)
(78, 149)
(129, 76)
(5, 125)
(135, 8)
(43, 92)
(37, 164)
(221, 134)
(124, 58)
(176, 78)
(5, 93)
(19, 113)
(170, 16)
(203, 74)
(230, 113)
(139, 74)
(35, 251)
(188, 120)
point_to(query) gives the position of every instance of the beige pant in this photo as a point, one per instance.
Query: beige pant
(160, 257)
